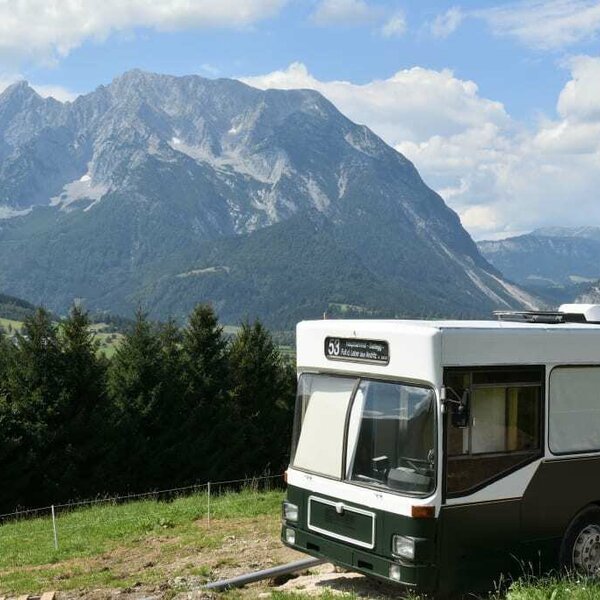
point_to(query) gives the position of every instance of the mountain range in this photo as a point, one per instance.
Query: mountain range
(556, 263)
(165, 191)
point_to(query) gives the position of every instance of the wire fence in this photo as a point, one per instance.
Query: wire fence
(68, 526)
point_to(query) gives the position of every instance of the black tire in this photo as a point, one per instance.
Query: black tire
(580, 547)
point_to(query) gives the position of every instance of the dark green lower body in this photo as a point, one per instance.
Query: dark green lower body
(420, 574)
(468, 548)
(421, 577)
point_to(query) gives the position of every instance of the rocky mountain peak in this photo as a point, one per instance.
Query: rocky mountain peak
(20, 90)
(143, 179)
(17, 97)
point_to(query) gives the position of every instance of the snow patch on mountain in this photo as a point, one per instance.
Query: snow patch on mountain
(8, 212)
(83, 188)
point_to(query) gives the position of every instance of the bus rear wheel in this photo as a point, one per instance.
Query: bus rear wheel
(580, 549)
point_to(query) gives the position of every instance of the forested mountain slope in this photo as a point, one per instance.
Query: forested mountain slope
(165, 191)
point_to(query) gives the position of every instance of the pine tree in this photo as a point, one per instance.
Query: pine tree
(136, 388)
(10, 431)
(32, 411)
(206, 432)
(168, 454)
(172, 407)
(204, 348)
(6, 348)
(262, 392)
(84, 416)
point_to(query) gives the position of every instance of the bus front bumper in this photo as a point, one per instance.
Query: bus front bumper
(419, 577)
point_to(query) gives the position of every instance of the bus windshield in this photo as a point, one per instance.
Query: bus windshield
(391, 437)
(389, 430)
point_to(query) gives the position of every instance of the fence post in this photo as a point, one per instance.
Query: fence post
(208, 503)
(54, 529)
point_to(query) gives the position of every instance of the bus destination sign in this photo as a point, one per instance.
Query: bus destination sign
(351, 349)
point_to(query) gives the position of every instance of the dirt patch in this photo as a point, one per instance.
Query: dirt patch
(177, 567)
(160, 567)
(339, 581)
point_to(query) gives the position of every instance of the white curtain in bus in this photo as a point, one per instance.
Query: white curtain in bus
(575, 409)
(488, 408)
(320, 446)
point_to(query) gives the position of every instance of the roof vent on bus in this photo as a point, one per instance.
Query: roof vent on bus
(566, 313)
(590, 312)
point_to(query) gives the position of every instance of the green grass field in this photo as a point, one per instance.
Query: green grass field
(172, 545)
(150, 544)
(570, 588)
(8, 324)
(117, 546)
(108, 341)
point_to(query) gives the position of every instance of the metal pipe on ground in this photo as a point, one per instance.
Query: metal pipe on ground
(242, 580)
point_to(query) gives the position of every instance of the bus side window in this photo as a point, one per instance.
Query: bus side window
(504, 430)
(574, 424)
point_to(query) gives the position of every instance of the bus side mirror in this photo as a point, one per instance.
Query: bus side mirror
(461, 412)
(457, 405)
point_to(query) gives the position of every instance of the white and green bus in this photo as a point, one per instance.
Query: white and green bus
(441, 454)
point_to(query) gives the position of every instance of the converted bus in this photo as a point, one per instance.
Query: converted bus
(442, 454)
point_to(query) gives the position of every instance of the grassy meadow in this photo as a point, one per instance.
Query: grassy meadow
(108, 341)
(9, 324)
(144, 542)
(172, 545)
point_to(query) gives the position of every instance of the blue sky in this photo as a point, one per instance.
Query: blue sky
(356, 51)
(497, 103)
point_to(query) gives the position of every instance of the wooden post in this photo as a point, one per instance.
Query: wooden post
(54, 529)
(208, 503)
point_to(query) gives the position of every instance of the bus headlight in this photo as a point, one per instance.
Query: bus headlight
(290, 512)
(403, 546)
(290, 536)
(395, 572)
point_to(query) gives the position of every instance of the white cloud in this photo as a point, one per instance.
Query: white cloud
(580, 98)
(545, 24)
(399, 108)
(447, 23)
(501, 176)
(395, 26)
(344, 12)
(480, 217)
(50, 29)
(511, 179)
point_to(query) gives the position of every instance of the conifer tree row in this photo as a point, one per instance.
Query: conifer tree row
(174, 406)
